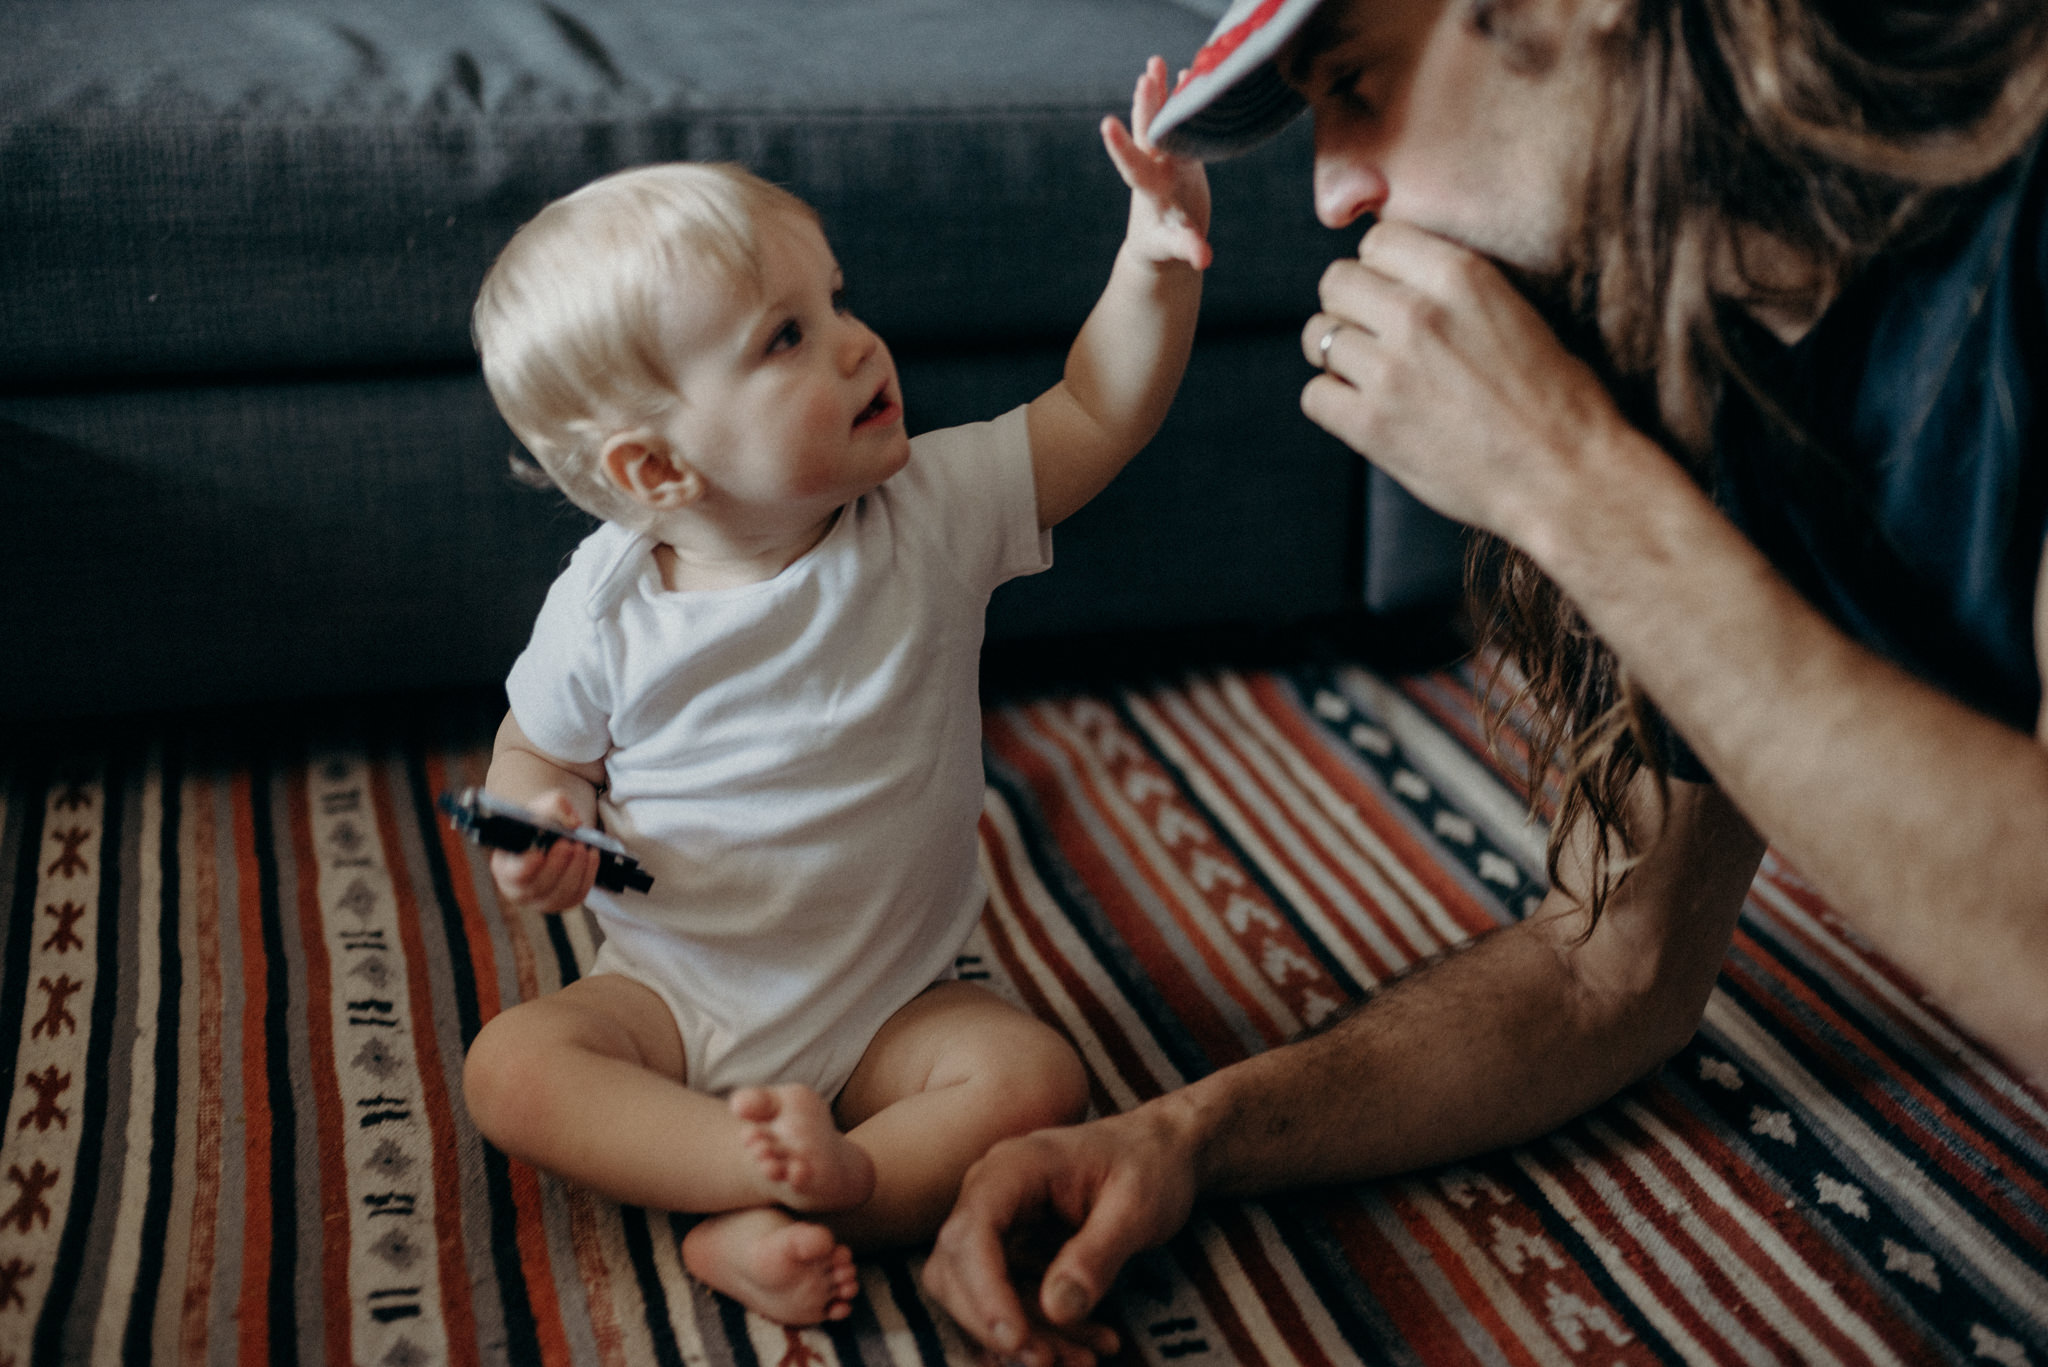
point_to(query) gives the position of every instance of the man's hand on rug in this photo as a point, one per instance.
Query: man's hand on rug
(1121, 1185)
(549, 879)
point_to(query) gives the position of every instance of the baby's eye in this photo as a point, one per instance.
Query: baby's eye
(787, 336)
(839, 300)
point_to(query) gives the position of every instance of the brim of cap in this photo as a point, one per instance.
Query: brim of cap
(1241, 101)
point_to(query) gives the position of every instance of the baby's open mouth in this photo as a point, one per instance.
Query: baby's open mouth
(878, 407)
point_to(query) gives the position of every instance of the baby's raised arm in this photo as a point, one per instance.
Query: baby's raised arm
(561, 875)
(1126, 364)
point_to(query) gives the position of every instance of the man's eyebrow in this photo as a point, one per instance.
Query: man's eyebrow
(1333, 25)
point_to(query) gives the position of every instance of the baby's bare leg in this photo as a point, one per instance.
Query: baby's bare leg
(948, 1075)
(587, 1084)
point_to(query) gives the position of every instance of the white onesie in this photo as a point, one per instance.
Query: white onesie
(797, 762)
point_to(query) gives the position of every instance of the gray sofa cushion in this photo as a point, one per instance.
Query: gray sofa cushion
(250, 455)
(174, 545)
(204, 186)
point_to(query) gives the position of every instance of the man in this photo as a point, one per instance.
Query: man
(1813, 611)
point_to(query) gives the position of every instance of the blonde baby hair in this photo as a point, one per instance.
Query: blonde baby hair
(571, 318)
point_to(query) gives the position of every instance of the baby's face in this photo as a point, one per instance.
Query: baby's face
(789, 401)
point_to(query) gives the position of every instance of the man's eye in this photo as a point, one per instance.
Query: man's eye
(786, 337)
(1350, 90)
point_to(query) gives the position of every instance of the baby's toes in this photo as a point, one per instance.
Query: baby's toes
(809, 1243)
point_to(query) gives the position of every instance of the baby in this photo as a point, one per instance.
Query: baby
(760, 674)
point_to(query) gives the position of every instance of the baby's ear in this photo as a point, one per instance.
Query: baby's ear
(642, 465)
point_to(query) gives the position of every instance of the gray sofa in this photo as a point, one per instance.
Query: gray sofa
(246, 451)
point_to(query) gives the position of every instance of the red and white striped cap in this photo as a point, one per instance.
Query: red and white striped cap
(1232, 98)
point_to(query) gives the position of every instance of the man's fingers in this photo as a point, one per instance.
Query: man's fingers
(1405, 251)
(967, 1271)
(1324, 335)
(1361, 295)
(1118, 1226)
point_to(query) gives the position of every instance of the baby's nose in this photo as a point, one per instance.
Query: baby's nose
(857, 343)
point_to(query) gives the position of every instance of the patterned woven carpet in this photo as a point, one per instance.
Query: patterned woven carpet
(242, 961)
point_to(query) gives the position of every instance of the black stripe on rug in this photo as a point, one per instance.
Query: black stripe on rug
(136, 1342)
(521, 1325)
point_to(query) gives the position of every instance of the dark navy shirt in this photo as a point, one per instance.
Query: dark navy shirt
(1915, 514)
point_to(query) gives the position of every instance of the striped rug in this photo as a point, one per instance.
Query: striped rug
(242, 961)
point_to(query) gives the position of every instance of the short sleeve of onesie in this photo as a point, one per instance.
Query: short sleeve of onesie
(977, 500)
(560, 686)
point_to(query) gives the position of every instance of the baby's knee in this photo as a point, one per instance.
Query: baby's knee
(505, 1081)
(1041, 1079)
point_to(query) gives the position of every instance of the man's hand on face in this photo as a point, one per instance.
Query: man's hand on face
(1121, 1185)
(1439, 372)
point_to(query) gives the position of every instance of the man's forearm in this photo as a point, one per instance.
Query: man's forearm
(1506, 1038)
(1465, 1056)
(1920, 818)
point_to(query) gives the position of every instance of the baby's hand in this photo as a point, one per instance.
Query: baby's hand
(552, 879)
(1169, 194)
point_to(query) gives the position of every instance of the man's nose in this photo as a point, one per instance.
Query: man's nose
(1348, 180)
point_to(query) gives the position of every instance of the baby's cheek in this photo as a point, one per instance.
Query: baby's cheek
(828, 435)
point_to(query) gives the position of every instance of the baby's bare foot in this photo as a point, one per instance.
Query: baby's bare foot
(790, 1271)
(789, 1132)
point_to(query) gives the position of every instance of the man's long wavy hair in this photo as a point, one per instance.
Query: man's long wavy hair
(1838, 128)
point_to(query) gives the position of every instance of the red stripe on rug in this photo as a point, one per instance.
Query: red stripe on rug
(1201, 1274)
(1078, 848)
(588, 1242)
(1251, 921)
(1830, 947)
(1115, 1043)
(543, 1291)
(193, 1320)
(1275, 833)
(331, 1118)
(1274, 1296)
(1395, 1287)
(1952, 1143)
(1424, 863)
(252, 1306)
(1619, 1233)
(1720, 1284)
(1452, 701)
(1275, 705)
(1472, 1296)
(1119, 759)
(1034, 999)
(450, 1251)
(1846, 1280)
(1106, 766)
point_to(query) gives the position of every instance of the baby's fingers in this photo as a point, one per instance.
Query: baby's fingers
(553, 879)
(574, 870)
(1146, 99)
(1139, 168)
